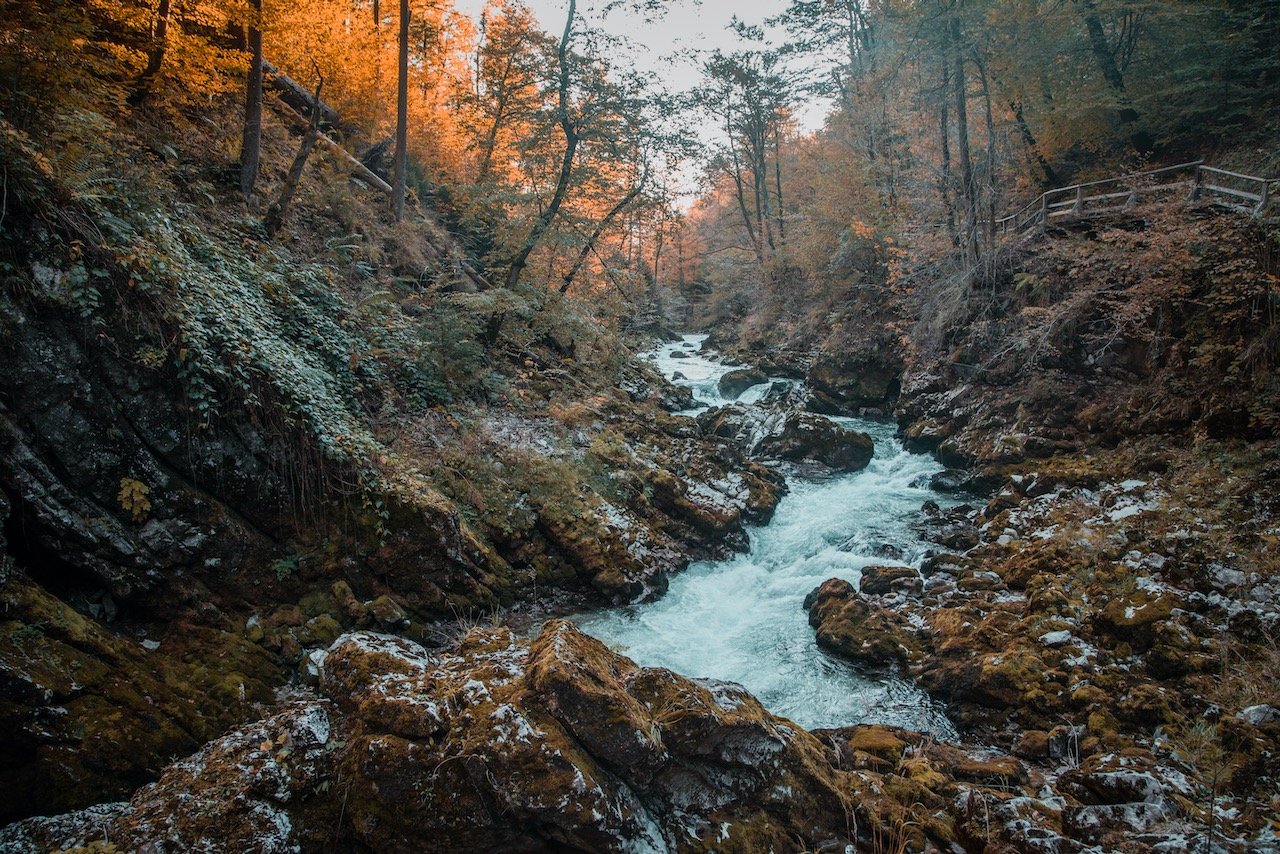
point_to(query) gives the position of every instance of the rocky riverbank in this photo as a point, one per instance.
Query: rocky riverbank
(563, 743)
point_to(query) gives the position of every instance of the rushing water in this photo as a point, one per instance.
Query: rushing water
(742, 620)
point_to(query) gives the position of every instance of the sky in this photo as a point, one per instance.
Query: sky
(669, 47)
(664, 45)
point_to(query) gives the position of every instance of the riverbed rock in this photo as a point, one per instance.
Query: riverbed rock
(843, 383)
(735, 382)
(489, 746)
(853, 626)
(805, 436)
(885, 579)
(793, 435)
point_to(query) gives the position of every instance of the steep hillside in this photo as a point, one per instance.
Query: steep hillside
(228, 448)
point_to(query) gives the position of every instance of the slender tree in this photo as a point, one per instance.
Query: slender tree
(569, 128)
(400, 166)
(251, 144)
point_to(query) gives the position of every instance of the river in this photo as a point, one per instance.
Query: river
(742, 620)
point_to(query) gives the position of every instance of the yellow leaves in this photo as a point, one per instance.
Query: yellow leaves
(134, 497)
(861, 230)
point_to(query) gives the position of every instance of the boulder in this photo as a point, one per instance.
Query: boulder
(843, 383)
(735, 382)
(805, 436)
(491, 745)
(886, 579)
(849, 625)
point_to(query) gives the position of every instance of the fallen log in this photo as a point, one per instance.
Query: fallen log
(299, 99)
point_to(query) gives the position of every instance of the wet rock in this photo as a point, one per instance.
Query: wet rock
(844, 382)
(848, 624)
(924, 436)
(805, 436)
(952, 455)
(952, 529)
(734, 383)
(489, 746)
(779, 394)
(879, 580)
(676, 398)
(792, 435)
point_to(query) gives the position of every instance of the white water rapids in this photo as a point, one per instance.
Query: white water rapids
(742, 620)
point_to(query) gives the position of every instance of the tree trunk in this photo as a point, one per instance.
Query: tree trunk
(400, 166)
(1105, 56)
(570, 132)
(599, 229)
(1051, 178)
(989, 168)
(377, 15)
(155, 57)
(275, 215)
(944, 140)
(777, 180)
(251, 145)
(969, 233)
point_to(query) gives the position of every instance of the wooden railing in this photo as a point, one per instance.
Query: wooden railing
(1244, 192)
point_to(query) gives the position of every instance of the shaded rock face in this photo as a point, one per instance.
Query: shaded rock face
(843, 384)
(792, 435)
(87, 715)
(493, 746)
(75, 425)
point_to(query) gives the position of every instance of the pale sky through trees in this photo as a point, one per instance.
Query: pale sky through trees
(666, 44)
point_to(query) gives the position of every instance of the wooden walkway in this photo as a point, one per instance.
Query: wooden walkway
(1194, 180)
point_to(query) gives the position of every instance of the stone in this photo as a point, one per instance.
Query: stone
(850, 381)
(735, 382)
(387, 612)
(885, 579)
(849, 625)
(1259, 715)
(1032, 744)
(805, 436)
(1056, 639)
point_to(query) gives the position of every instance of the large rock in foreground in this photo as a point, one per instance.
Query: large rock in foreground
(491, 747)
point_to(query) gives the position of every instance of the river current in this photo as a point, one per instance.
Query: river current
(742, 620)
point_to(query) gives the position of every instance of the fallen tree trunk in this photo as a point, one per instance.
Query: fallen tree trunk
(313, 128)
(302, 101)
